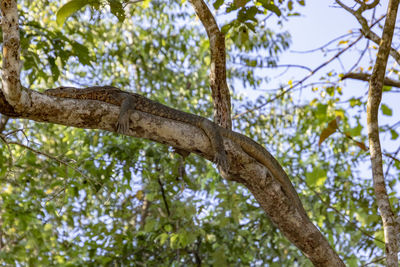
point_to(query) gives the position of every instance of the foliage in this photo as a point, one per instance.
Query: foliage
(95, 198)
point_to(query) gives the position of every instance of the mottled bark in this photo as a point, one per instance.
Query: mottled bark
(11, 47)
(291, 220)
(219, 87)
(293, 223)
(366, 77)
(374, 99)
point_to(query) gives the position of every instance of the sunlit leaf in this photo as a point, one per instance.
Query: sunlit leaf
(218, 3)
(394, 134)
(270, 6)
(117, 9)
(68, 9)
(386, 110)
(329, 130)
(317, 177)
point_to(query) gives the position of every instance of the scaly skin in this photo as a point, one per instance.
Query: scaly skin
(131, 101)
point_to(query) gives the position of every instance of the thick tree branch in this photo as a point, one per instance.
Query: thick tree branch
(28, 104)
(219, 86)
(374, 98)
(11, 46)
(366, 77)
(293, 223)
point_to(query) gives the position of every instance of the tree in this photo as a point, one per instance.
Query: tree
(74, 196)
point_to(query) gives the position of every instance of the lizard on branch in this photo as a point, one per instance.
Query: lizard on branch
(129, 102)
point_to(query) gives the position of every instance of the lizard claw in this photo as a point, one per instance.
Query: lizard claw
(222, 160)
(123, 125)
(127, 106)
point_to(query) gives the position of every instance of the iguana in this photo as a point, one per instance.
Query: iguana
(132, 101)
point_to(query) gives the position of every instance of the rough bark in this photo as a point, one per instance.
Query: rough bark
(11, 47)
(294, 224)
(366, 77)
(219, 86)
(374, 99)
(292, 221)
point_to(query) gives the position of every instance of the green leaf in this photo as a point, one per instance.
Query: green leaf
(329, 130)
(393, 134)
(356, 131)
(219, 257)
(82, 52)
(117, 9)
(149, 226)
(225, 28)
(271, 7)
(246, 14)
(146, 3)
(68, 9)
(386, 110)
(163, 237)
(317, 177)
(355, 102)
(54, 69)
(252, 63)
(218, 3)
(174, 238)
(290, 5)
(251, 26)
(168, 228)
(243, 35)
(386, 88)
(353, 261)
(183, 239)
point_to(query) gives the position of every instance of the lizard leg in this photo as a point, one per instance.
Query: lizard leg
(127, 106)
(217, 143)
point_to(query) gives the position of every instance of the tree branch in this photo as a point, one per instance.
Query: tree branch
(163, 196)
(293, 223)
(28, 104)
(366, 77)
(11, 47)
(374, 99)
(293, 86)
(365, 29)
(219, 86)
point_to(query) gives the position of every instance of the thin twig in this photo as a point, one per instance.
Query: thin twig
(323, 46)
(374, 261)
(391, 162)
(360, 57)
(163, 196)
(278, 66)
(366, 77)
(301, 81)
(339, 213)
(11, 161)
(50, 157)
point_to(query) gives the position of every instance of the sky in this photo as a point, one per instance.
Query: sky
(319, 23)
